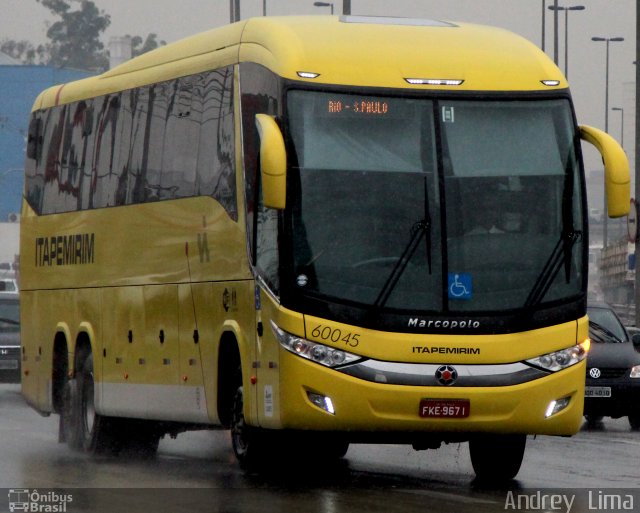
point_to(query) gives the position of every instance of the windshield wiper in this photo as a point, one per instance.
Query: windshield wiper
(560, 255)
(9, 321)
(562, 251)
(419, 229)
(603, 331)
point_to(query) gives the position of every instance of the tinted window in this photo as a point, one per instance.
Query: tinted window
(169, 140)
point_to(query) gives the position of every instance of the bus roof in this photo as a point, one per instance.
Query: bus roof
(343, 50)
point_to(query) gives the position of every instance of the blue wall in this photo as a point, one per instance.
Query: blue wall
(19, 87)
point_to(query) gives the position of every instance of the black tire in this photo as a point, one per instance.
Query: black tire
(69, 415)
(497, 458)
(634, 421)
(95, 433)
(248, 443)
(337, 449)
(326, 448)
(594, 421)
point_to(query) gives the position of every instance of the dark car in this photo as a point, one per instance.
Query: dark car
(9, 337)
(613, 369)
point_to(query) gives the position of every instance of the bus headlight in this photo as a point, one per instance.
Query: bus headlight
(319, 353)
(562, 359)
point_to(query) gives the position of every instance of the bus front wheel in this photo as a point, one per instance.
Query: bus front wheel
(497, 457)
(248, 442)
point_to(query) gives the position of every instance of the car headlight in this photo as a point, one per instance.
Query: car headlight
(635, 372)
(319, 353)
(559, 360)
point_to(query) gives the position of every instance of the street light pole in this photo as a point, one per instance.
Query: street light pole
(234, 10)
(621, 110)
(606, 123)
(637, 165)
(555, 31)
(566, 31)
(544, 9)
(324, 4)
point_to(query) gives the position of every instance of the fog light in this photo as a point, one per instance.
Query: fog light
(323, 402)
(557, 406)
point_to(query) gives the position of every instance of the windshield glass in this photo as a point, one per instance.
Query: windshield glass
(607, 319)
(419, 204)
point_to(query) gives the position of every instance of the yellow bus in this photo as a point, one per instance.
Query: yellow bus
(312, 231)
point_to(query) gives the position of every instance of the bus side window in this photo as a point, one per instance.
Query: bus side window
(181, 140)
(34, 140)
(216, 170)
(260, 88)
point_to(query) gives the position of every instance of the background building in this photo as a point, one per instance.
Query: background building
(20, 85)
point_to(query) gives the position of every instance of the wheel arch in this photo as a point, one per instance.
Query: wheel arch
(230, 368)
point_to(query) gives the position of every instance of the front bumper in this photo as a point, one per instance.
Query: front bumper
(363, 406)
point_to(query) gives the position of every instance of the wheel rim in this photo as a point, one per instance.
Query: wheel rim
(238, 426)
(89, 408)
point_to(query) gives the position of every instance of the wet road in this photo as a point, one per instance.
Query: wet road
(197, 472)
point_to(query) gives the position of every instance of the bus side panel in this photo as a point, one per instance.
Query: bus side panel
(124, 329)
(225, 309)
(32, 363)
(44, 314)
(190, 335)
(144, 363)
(271, 380)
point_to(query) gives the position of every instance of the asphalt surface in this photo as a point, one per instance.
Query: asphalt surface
(197, 471)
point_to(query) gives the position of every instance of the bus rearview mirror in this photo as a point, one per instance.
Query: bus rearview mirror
(273, 162)
(616, 169)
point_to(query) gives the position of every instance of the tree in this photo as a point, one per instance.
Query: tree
(24, 51)
(75, 37)
(138, 47)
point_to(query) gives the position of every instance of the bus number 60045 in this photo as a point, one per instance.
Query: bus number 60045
(336, 335)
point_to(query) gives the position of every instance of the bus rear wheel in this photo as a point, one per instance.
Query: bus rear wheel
(497, 458)
(95, 433)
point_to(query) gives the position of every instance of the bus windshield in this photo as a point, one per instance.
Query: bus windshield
(435, 205)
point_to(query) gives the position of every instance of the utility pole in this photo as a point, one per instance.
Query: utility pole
(234, 10)
(555, 31)
(637, 160)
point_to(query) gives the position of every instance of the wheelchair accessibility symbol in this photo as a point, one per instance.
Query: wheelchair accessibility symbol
(460, 286)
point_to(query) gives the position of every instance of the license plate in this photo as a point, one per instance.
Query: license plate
(8, 364)
(597, 391)
(444, 408)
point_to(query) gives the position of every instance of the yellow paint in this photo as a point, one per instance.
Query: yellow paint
(148, 273)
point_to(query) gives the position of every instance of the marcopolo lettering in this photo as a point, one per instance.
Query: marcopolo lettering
(58, 250)
(415, 322)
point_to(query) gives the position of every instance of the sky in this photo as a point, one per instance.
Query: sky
(175, 19)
